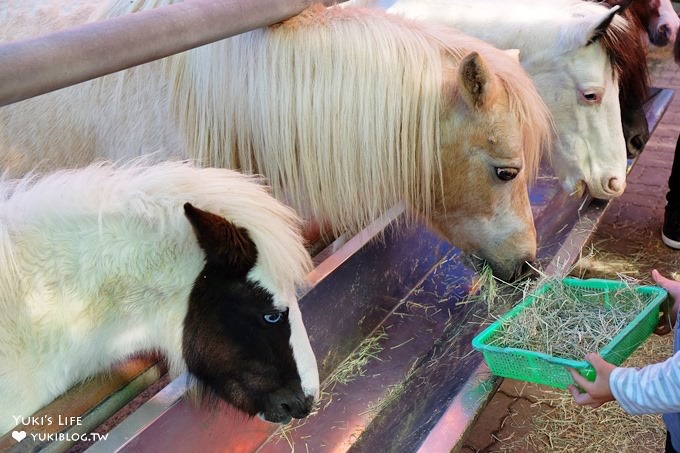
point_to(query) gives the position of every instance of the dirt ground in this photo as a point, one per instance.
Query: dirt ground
(531, 418)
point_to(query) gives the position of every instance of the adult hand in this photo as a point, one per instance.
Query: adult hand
(595, 393)
(669, 308)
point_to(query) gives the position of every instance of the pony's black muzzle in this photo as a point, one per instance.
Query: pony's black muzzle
(286, 404)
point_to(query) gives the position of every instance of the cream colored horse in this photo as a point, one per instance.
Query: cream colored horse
(564, 46)
(345, 111)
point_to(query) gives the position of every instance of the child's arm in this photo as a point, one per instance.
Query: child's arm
(654, 389)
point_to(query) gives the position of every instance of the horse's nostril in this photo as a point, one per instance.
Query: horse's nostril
(662, 35)
(665, 31)
(637, 143)
(528, 271)
(615, 185)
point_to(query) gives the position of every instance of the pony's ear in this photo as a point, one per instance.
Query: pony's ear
(600, 28)
(224, 243)
(477, 83)
(512, 53)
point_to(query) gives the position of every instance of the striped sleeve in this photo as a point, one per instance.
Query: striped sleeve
(654, 389)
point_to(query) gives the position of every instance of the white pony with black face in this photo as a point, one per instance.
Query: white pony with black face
(561, 46)
(201, 265)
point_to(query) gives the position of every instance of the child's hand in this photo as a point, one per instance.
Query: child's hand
(598, 392)
(669, 309)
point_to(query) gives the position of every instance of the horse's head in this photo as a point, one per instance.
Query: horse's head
(659, 19)
(561, 46)
(635, 126)
(243, 340)
(489, 152)
(581, 87)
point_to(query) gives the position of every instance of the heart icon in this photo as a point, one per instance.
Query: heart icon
(19, 435)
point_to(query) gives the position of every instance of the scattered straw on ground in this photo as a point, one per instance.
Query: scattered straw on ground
(559, 425)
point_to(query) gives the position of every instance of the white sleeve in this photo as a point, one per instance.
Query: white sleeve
(654, 389)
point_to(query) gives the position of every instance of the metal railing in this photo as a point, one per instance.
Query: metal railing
(34, 66)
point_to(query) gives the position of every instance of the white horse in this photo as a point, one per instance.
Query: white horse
(199, 264)
(561, 45)
(345, 111)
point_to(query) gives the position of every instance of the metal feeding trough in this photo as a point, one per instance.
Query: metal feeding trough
(389, 298)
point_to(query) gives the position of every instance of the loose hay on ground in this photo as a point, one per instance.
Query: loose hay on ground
(559, 425)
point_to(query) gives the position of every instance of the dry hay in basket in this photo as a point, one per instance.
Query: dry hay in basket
(557, 424)
(568, 322)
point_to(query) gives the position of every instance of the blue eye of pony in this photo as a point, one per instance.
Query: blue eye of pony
(275, 317)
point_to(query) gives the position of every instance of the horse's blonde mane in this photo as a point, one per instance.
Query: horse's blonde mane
(349, 98)
(153, 195)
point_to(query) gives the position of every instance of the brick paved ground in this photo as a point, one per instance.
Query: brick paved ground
(630, 228)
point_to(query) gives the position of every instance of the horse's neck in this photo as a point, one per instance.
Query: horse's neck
(22, 19)
(492, 21)
(130, 119)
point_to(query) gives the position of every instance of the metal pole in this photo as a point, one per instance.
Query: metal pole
(45, 63)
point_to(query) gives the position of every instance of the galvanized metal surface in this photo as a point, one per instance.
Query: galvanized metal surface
(424, 389)
(38, 65)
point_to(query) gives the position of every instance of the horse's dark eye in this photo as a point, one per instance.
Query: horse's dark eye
(590, 97)
(506, 173)
(273, 318)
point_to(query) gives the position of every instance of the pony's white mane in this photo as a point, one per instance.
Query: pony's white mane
(152, 196)
(236, 97)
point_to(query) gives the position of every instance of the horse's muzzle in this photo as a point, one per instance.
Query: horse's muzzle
(285, 404)
(661, 36)
(505, 273)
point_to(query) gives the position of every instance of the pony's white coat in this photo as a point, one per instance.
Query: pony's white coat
(98, 263)
(551, 36)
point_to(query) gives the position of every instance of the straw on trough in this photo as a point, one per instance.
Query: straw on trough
(350, 368)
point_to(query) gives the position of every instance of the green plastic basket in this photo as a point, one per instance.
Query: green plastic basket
(548, 370)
